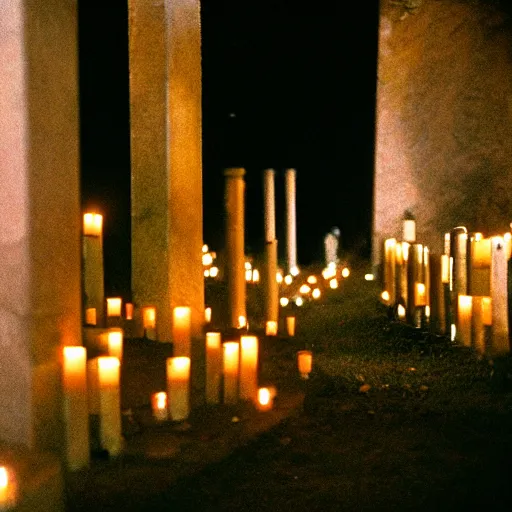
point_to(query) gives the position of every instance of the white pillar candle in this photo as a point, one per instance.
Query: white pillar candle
(181, 321)
(409, 230)
(231, 351)
(305, 363)
(464, 313)
(290, 325)
(178, 383)
(159, 406)
(8, 489)
(291, 220)
(115, 342)
(110, 405)
(271, 328)
(213, 367)
(249, 348)
(76, 410)
(90, 316)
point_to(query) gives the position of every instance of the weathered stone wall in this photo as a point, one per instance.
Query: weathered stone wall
(444, 113)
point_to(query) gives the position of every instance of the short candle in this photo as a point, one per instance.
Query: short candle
(265, 398)
(290, 325)
(271, 328)
(486, 311)
(149, 317)
(114, 306)
(305, 362)
(159, 406)
(90, 316)
(129, 311)
(93, 223)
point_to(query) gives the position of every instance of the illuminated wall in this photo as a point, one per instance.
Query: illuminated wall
(444, 112)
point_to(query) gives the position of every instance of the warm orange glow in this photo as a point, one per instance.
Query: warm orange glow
(114, 306)
(290, 325)
(115, 343)
(206, 273)
(181, 316)
(93, 223)
(284, 301)
(149, 317)
(265, 398)
(486, 311)
(464, 313)
(312, 280)
(316, 293)
(74, 369)
(345, 272)
(294, 271)
(304, 289)
(248, 275)
(401, 312)
(249, 348)
(208, 315)
(248, 265)
(178, 368)
(305, 362)
(242, 322)
(288, 279)
(178, 381)
(159, 406)
(213, 366)
(213, 341)
(205, 248)
(128, 307)
(231, 350)
(279, 277)
(333, 284)
(420, 294)
(108, 372)
(7, 489)
(90, 316)
(271, 328)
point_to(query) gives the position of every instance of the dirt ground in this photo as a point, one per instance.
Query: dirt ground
(392, 419)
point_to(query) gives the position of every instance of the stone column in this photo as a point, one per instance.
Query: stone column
(165, 120)
(235, 254)
(271, 285)
(291, 220)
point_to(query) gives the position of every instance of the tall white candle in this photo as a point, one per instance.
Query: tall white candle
(76, 411)
(231, 353)
(248, 367)
(464, 313)
(110, 404)
(178, 383)
(499, 297)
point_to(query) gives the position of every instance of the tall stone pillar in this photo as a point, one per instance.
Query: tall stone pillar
(235, 253)
(291, 221)
(40, 211)
(165, 120)
(271, 286)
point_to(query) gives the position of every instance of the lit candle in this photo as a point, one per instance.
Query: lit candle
(129, 310)
(110, 404)
(208, 315)
(178, 380)
(7, 489)
(385, 296)
(486, 311)
(181, 330)
(333, 283)
(231, 351)
(290, 325)
(248, 275)
(464, 312)
(271, 328)
(312, 280)
(265, 399)
(346, 272)
(401, 312)
(284, 301)
(93, 224)
(242, 322)
(115, 342)
(76, 410)
(420, 295)
(248, 367)
(90, 316)
(305, 289)
(213, 367)
(159, 406)
(114, 306)
(149, 322)
(481, 252)
(316, 293)
(255, 276)
(305, 363)
(445, 269)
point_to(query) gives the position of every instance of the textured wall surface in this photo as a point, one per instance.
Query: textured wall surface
(165, 118)
(444, 119)
(40, 221)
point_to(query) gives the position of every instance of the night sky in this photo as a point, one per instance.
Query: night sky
(283, 86)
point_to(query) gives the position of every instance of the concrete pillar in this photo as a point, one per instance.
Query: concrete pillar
(165, 121)
(40, 289)
(291, 220)
(235, 255)
(271, 285)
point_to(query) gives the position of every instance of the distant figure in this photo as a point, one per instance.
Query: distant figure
(331, 243)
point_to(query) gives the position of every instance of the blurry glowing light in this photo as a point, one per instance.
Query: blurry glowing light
(288, 279)
(242, 322)
(299, 301)
(279, 277)
(207, 259)
(248, 265)
(294, 271)
(284, 301)
(333, 283)
(214, 272)
(385, 296)
(369, 277)
(312, 280)
(304, 289)
(453, 332)
(255, 276)
(248, 275)
(205, 248)
(206, 273)
(316, 293)
(345, 272)
(401, 311)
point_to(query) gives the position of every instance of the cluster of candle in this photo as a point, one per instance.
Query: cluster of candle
(208, 259)
(462, 293)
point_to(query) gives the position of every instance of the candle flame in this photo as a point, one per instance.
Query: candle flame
(264, 396)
